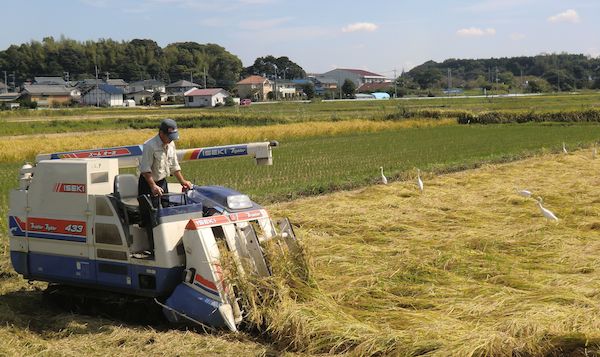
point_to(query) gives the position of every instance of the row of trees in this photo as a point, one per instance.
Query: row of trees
(131, 60)
(543, 72)
(272, 67)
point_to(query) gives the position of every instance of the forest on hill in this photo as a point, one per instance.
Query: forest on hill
(541, 73)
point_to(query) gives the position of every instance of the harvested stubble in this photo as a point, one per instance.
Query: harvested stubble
(468, 268)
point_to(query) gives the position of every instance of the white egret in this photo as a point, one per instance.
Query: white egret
(383, 178)
(524, 193)
(565, 148)
(594, 152)
(419, 181)
(546, 212)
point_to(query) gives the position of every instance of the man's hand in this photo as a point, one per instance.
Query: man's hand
(186, 185)
(157, 190)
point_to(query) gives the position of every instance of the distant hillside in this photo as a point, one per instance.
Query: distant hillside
(558, 71)
(131, 60)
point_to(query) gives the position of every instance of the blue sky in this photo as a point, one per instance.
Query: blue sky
(379, 36)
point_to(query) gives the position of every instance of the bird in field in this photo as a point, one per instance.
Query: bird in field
(524, 193)
(546, 212)
(565, 148)
(419, 181)
(383, 178)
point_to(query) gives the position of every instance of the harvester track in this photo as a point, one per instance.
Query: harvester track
(97, 303)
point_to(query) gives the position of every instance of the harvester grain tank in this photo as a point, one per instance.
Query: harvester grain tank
(75, 220)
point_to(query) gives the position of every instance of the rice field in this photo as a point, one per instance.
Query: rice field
(468, 268)
(314, 158)
(90, 119)
(25, 147)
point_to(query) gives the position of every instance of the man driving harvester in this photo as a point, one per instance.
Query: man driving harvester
(159, 160)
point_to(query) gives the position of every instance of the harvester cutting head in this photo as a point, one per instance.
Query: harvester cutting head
(76, 221)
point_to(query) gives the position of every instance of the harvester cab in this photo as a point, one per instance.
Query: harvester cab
(76, 221)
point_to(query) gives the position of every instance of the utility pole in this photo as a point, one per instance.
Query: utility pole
(97, 98)
(395, 84)
(449, 80)
(521, 78)
(558, 74)
(204, 77)
(5, 82)
(275, 82)
(14, 85)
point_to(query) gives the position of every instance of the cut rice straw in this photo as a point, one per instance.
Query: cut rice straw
(467, 268)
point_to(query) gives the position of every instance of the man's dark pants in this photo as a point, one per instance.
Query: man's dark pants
(148, 215)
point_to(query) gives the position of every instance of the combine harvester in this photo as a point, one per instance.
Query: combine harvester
(75, 221)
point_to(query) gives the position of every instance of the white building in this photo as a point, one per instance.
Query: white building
(209, 97)
(284, 89)
(104, 95)
(358, 76)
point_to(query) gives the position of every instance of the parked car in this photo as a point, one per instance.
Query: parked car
(245, 101)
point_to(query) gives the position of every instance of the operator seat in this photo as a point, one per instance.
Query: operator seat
(126, 192)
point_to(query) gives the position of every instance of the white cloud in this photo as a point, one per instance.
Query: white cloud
(476, 32)
(360, 26)
(263, 24)
(515, 36)
(565, 16)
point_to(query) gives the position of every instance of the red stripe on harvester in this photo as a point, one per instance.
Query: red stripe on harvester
(196, 153)
(206, 283)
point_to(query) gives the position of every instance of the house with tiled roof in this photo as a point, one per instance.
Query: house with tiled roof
(180, 87)
(147, 84)
(374, 87)
(208, 97)
(104, 95)
(9, 100)
(50, 94)
(85, 84)
(254, 87)
(118, 82)
(49, 81)
(358, 76)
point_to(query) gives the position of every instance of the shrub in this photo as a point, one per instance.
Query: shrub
(502, 117)
(229, 102)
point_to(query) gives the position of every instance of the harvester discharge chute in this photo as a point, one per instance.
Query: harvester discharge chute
(76, 221)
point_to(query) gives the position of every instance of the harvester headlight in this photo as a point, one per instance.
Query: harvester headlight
(238, 202)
